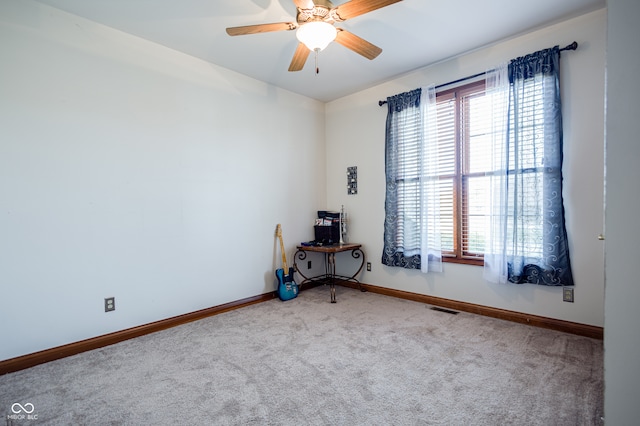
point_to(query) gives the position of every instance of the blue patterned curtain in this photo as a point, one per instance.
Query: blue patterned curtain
(528, 239)
(401, 226)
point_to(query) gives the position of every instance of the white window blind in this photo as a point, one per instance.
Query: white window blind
(463, 141)
(526, 165)
(408, 181)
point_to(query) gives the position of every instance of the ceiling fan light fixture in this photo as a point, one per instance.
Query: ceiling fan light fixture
(316, 35)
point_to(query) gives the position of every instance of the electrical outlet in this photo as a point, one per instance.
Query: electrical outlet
(110, 304)
(567, 294)
(369, 266)
(309, 264)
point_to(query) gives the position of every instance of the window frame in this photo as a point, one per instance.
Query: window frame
(460, 176)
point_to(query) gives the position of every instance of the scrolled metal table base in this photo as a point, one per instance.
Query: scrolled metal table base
(330, 277)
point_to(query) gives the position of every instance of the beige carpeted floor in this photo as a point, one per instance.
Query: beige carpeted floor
(366, 360)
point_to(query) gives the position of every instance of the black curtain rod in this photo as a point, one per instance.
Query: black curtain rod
(572, 46)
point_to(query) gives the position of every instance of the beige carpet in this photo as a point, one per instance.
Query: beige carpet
(366, 360)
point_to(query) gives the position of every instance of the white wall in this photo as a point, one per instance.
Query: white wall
(355, 137)
(131, 170)
(622, 316)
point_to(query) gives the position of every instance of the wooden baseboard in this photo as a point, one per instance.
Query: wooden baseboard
(519, 317)
(41, 357)
(36, 358)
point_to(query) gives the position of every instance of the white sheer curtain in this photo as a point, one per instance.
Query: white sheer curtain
(495, 255)
(430, 241)
(527, 242)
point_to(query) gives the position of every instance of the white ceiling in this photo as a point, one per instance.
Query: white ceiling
(411, 33)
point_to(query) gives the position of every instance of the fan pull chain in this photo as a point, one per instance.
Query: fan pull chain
(317, 69)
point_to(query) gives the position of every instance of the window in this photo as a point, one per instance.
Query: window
(464, 166)
(474, 175)
(464, 147)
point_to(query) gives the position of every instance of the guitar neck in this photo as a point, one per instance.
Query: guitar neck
(284, 255)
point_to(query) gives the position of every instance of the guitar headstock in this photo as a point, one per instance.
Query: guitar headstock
(278, 231)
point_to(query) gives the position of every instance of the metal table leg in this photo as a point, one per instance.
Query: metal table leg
(331, 273)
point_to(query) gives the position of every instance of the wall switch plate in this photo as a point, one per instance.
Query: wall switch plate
(567, 294)
(110, 304)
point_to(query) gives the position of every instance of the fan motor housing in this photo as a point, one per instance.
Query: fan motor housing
(318, 13)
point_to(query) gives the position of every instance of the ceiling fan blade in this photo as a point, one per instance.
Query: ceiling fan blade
(299, 57)
(357, 44)
(354, 8)
(261, 28)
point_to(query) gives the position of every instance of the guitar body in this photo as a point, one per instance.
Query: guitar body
(287, 287)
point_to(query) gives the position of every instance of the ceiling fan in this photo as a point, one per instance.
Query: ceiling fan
(315, 27)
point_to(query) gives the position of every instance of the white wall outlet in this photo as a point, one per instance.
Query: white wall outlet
(110, 304)
(567, 294)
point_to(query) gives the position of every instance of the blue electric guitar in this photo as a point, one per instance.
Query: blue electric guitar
(287, 287)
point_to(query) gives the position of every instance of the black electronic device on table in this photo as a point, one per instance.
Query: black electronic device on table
(327, 228)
